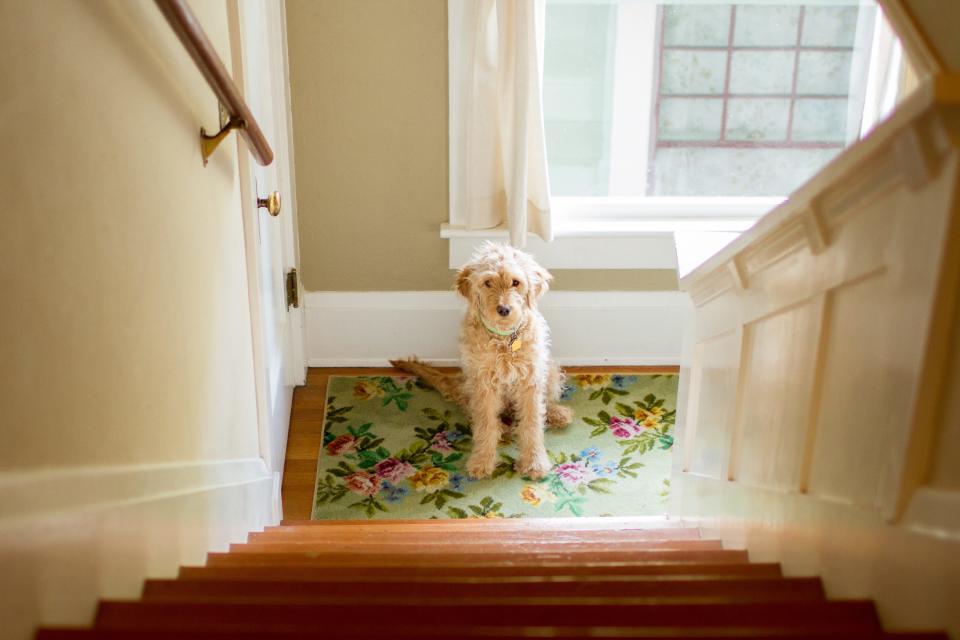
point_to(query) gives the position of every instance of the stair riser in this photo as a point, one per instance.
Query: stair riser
(782, 589)
(835, 616)
(464, 632)
(272, 572)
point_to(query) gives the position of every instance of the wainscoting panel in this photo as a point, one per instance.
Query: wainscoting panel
(842, 307)
(714, 385)
(779, 356)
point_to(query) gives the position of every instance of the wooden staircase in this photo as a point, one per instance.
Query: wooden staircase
(504, 579)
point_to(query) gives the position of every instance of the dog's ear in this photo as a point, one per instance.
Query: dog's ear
(538, 282)
(463, 281)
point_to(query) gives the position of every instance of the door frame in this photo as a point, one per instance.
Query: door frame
(283, 159)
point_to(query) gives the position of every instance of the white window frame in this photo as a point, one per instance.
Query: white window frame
(617, 232)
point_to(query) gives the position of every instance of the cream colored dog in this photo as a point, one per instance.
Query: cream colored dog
(505, 354)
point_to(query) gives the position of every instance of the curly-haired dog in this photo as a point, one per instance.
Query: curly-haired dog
(505, 354)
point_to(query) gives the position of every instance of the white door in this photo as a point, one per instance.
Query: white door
(260, 68)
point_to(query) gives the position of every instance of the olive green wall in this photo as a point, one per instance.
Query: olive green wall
(369, 98)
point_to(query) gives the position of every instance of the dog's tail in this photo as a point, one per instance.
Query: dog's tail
(449, 384)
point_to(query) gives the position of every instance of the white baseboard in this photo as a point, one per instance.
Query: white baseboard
(367, 329)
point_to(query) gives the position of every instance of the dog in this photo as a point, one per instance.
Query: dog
(505, 357)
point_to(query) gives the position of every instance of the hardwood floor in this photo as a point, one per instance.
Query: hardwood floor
(306, 430)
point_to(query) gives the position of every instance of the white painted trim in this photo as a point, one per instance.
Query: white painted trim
(298, 368)
(707, 210)
(618, 233)
(634, 65)
(450, 300)
(363, 329)
(636, 251)
(28, 494)
(257, 33)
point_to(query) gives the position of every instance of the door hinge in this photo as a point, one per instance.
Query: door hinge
(293, 290)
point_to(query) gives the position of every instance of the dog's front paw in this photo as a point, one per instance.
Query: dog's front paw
(536, 467)
(480, 466)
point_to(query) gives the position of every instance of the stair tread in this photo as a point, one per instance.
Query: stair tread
(443, 558)
(459, 546)
(375, 533)
(515, 524)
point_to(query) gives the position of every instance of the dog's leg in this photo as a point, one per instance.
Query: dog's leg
(485, 406)
(531, 405)
(557, 414)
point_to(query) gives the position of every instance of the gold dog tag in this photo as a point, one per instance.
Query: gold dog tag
(516, 344)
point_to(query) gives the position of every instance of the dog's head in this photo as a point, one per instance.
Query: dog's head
(502, 285)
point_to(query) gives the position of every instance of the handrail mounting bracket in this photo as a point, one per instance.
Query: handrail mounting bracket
(209, 144)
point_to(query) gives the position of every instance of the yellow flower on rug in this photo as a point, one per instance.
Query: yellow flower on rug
(365, 390)
(429, 478)
(535, 495)
(592, 381)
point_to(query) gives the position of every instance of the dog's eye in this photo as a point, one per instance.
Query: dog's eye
(487, 283)
(516, 283)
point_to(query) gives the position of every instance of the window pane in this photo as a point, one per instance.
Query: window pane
(647, 99)
(578, 93)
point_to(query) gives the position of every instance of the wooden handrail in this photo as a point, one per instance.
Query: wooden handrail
(195, 41)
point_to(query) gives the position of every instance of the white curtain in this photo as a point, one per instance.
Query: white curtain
(498, 157)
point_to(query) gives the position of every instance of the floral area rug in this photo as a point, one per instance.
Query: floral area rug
(393, 448)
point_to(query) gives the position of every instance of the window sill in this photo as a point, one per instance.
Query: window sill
(626, 233)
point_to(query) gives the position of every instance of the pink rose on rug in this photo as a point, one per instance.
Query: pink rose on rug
(393, 470)
(623, 428)
(363, 483)
(342, 444)
(441, 443)
(573, 473)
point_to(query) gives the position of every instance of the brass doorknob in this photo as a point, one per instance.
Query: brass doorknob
(271, 203)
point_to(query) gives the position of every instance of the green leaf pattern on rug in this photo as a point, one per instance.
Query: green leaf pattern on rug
(398, 450)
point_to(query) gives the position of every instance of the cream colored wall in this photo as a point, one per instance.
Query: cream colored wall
(129, 418)
(369, 91)
(126, 315)
(818, 420)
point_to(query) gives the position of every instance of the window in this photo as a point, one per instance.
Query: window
(673, 125)
(727, 104)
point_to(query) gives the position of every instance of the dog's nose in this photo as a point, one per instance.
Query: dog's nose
(502, 310)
